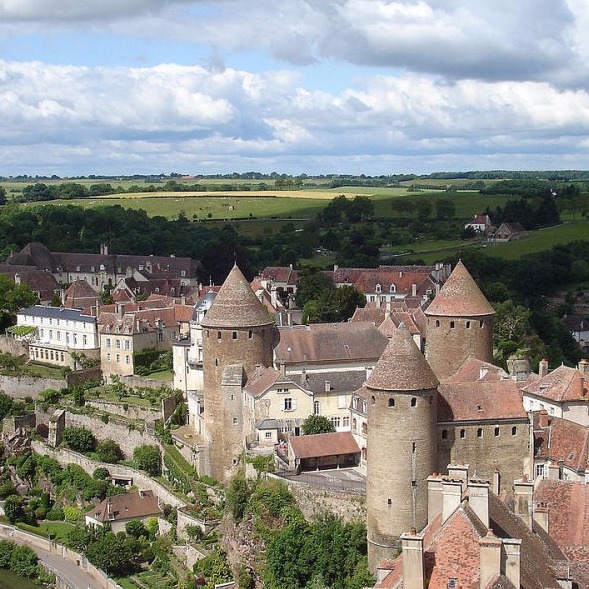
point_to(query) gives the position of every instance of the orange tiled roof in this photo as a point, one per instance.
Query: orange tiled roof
(318, 445)
(474, 370)
(562, 384)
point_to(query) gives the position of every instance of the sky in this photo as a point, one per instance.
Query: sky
(120, 87)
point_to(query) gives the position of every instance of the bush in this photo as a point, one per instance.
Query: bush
(24, 561)
(101, 474)
(6, 549)
(109, 451)
(55, 514)
(79, 439)
(148, 458)
(72, 514)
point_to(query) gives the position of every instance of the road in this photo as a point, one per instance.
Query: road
(72, 574)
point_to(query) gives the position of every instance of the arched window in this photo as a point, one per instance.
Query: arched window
(452, 324)
(391, 402)
(373, 399)
(218, 335)
(437, 323)
(514, 431)
(444, 434)
(480, 432)
(413, 402)
(378, 288)
(393, 288)
(234, 335)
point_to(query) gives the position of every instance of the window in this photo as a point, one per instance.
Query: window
(58, 333)
(268, 435)
(496, 431)
(108, 356)
(235, 421)
(514, 431)
(250, 334)
(341, 402)
(468, 325)
(354, 425)
(391, 402)
(127, 359)
(413, 402)
(480, 432)
(234, 335)
(373, 399)
(462, 434)
(392, 288)
(108, 342)
(118, 344)
(335, 421)
(365, 428)
(218, 335)
(437, 323)
(452, 323)
(118, 357)
(127, 344)
(540, 470)
(51, 334)
(364, 406)
(75, 339)
(316, 408)
(378, 288)
(444, 434)
(84, 339)
(287, 404)
(345, 422)
(61, 354)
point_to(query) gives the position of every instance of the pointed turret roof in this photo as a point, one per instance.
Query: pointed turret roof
(402, 367)
(460, 297)
(236, 305)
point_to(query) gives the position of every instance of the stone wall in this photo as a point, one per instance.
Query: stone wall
(139, 381)
(9, 345)
(131, 411)
(20, 387)
(139, 478)
(314, 500)
(79, 377)
(185, 518)
(127, 436)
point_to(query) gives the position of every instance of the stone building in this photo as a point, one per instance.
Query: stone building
(238, 335)
(401, 444)
(459, 324)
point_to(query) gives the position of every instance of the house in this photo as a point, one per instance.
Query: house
(57, 332)
(103, 269)
(117, 510)
(473, 540)
(479, 223)
(125, 329)
(80, 295)
(578, 325)
(563, 392)
(41, 282)
(141, 285)
(507, 232)
(322, 451)
(561, 448)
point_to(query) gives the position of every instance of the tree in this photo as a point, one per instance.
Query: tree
(135, 528)
(148, 458)
(13, 297)
(111, 553)
(316, 424)
(14, 508)
(109, 451)
(79, 439)
(23, 561)
(445, 209)
(424, 209)
(214, 568)
(2, 195)
(238, 494)
(310, 286)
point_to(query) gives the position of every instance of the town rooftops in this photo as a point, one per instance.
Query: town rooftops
(460, 296)
(80, 295)
(318, 445)
(330, 343)
(128, 506)
(474, 370)
(562, 384)
(236, 305)
(402, 367)
(479, 401)
(58, 313)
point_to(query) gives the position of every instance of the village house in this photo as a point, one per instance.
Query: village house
(578, 325)
(55, 333)
(479, 224)
(118, 510)
(507, 232)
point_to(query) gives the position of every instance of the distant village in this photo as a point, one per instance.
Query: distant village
(474, 475)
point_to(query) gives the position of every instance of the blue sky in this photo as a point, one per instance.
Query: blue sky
(313, 86)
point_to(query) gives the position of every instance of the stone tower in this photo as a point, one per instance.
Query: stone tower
(402, 416)
(237, 336)
(459, 325)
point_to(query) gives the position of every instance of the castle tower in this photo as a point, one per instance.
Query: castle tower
(401, 446)
(237, 335)
(459, 325)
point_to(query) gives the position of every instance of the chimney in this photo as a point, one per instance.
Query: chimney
(104, 249)
(490, 558)
(524, 494)
(282, 368)
(451, 497)
(434, 496)
(120, 307)
(413, 562)
(17, 279)
(478, 500)
(553, 471)
(540, 515)
(543, 368)
(583, 366)
(327, 386)
(543, 420)
(414, 290)
(378, 302)
(483, 371)
(335, 267)
(459, 472)
(511, 560)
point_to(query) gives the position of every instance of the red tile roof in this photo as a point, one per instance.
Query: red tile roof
(128, 506)
(480, 401)
(562, 384)
(474, 370)
(315, 446)
(460, 297)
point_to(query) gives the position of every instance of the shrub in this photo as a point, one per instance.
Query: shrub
(109, 451)
(24, 561)
(72, 514)
(79, 439)
(101, 474)
(55, 514)
(148, 458)
(6, 549)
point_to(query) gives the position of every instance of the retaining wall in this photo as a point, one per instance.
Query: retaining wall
(132, 411)
(28, 386)
(140, 479)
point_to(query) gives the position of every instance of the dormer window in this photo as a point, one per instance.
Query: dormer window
(393, 288)
(378, 288)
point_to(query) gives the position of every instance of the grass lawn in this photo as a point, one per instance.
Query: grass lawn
(41, 370)
(163, 375)
(58, 529)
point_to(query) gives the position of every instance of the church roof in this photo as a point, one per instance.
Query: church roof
(402, 367)
(460, 296)
(236, 305)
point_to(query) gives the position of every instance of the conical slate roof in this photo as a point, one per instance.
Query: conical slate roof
(460, 296)
(402, 367)
(236, 305)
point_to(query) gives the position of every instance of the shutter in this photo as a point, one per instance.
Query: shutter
(294, 404)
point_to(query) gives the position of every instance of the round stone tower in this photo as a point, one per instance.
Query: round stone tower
(237, 336)
(401, 446)
(459, 324)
